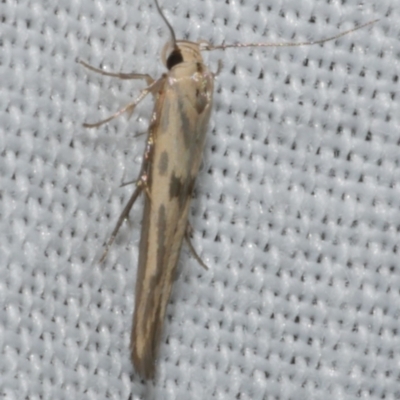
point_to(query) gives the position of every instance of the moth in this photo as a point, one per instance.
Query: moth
(183, 99)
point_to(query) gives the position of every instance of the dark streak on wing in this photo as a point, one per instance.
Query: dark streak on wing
(191, 183)
(181, 188)
(149, 321)
(186, 123)
(175, 186)
(163, 164)
(162, 227)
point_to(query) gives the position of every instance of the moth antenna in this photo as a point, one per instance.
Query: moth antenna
(208, 47)
(173, 37)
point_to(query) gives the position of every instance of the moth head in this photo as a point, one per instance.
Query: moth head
(180, 52)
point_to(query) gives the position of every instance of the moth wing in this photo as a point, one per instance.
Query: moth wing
(180, 120)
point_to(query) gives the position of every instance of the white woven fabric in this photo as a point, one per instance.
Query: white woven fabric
(297, 207)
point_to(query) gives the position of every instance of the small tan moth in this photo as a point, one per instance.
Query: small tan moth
(183, 100)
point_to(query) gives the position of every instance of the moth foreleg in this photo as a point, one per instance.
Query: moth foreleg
(119, 75)
(188, 233)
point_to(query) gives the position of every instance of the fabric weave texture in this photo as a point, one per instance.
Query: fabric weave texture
(296, 209)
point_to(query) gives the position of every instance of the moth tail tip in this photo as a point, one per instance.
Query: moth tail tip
(144, 367)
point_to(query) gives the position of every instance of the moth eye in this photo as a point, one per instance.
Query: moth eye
(174, 58)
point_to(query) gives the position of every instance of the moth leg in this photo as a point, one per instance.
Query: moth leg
(128, 108)
(219, 68)
(141, 183)
(122, 217)
(188, 233)
(128, 183)
(137, 183)
(146, 189)
(119, 75)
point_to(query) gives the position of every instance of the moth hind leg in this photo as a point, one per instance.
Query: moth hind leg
(188, 233)
(124, 215)
(219, 68)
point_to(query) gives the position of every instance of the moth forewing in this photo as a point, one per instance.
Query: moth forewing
(180, 119)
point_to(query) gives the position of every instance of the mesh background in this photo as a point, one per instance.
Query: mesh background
(296, 209)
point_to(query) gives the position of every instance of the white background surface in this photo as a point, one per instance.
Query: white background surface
(296, 209)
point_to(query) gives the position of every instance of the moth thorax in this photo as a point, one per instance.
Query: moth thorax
(184, 51)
